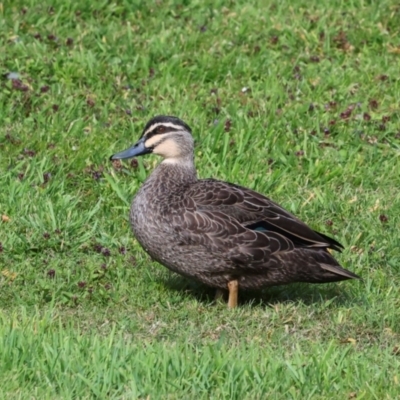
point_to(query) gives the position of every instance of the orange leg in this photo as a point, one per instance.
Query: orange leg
(233, 287)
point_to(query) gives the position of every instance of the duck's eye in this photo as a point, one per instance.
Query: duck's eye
(161, 129)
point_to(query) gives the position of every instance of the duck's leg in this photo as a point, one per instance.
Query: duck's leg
(233, 287)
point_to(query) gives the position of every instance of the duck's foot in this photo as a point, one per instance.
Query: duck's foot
(233, 287)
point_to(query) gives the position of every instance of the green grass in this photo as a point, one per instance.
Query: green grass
(298, 100)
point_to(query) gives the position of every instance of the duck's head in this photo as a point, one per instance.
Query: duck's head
(166, 136)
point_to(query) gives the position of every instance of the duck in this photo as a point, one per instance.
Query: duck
(224, 235)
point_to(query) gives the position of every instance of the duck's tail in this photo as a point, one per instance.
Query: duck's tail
(339, 272)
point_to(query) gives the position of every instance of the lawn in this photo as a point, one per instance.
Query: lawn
(299, 100)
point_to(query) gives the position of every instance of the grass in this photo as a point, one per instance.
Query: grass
(298, 100)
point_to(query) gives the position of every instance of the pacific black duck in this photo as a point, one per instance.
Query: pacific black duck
(219, 233)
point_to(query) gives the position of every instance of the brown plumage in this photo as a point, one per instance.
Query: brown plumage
(218, 232)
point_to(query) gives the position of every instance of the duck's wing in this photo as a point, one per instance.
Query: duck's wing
(223, 235)
(251, 234)
(254, 212)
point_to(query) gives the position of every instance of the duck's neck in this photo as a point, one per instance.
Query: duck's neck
(176, 171)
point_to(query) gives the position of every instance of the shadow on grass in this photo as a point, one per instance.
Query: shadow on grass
(304, 293)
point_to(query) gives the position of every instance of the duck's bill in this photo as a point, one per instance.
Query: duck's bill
(136, 150)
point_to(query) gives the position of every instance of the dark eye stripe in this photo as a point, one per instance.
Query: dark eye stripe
(156, 131)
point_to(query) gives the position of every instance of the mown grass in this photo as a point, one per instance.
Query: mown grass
(298, 100)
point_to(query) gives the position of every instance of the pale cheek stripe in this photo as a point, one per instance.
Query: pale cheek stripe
(153, 141)
(168, 149)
